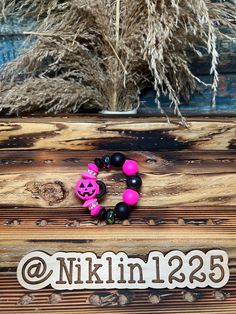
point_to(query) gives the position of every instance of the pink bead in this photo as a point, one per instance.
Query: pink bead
(130, 167)
(130, 197)
(95, 210)
(93, 167)
(93, 206)
(90, 203)
(91, 173)
(87, 175)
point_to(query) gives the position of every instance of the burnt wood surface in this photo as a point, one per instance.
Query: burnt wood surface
(141, 133)
(188, 202)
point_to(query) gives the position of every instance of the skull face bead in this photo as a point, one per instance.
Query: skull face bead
(86, 189)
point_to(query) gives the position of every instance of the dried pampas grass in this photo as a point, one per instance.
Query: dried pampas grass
(100, 53)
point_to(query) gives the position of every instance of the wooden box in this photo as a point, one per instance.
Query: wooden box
(188, 202)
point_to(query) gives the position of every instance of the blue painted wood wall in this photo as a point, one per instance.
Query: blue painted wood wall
(11, 44)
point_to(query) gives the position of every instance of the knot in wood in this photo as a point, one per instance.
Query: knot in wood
(74, 223)
(221, 295)
(42, 223)
(52, 192)
(25, 299)
(54, 298)
(13, 222)
(191, 296)
(110, 299)
(100, 300)
(154, 298)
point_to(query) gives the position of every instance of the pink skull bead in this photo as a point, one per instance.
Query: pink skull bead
(130, 197)
(130, 167)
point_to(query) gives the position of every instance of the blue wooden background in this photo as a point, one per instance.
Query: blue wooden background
(12, 43)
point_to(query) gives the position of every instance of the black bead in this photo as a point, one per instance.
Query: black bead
(122, 210)
(102, 214)
(117, 159)
(99, 162)
(134, 182)
(102, 189)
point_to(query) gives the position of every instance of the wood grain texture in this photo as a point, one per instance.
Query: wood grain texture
(16, 300)
(89, 133)
(158, 162)
(167, 180)
(134, 301)
(188, 202)
(55, 229)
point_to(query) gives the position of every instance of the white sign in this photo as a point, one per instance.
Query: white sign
(74, 270)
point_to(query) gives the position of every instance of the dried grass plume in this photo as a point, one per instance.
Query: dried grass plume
(100, 53)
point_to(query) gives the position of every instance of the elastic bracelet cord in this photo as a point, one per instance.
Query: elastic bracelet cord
(90, 190)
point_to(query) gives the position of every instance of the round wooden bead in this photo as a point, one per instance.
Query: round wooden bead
(130, 167)
(122, 210)
(117, 159)
(134, 182)
(130, 197)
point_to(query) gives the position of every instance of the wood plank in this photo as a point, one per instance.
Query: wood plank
(187, 161)
(188, 202)
(195, 228)
(89, 133)
(221, 218)
(137, 241)
(57, 189)
(51, 230)
(32, 179)
(18, 300)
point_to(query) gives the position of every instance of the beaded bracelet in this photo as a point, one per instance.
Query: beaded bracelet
(89, 189)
